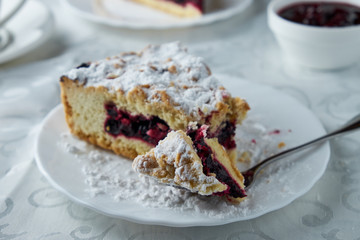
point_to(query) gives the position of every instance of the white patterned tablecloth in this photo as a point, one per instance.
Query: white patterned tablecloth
(30, 208)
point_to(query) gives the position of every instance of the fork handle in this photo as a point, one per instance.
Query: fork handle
(352, 125)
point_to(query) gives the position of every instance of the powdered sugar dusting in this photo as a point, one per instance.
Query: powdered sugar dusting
(106, 173)
(168, 68)
(176, 153)
(256, 142)
(173, 146)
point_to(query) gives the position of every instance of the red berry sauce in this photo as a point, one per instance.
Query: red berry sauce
(322, 14)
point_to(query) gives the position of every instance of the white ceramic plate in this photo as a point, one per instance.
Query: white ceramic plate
(279, 185)
(123, 13)
(29, 28)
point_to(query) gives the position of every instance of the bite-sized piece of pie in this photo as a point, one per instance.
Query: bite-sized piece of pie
(200, 165)
(180, 8)
(129, 102)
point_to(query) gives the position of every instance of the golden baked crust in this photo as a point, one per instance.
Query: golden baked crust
(85, 114)
(222, 156)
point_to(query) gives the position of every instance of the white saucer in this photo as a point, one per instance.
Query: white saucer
(124, 13)
(30, 28)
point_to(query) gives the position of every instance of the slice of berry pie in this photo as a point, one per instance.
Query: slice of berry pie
(129, 102)
(200, 165)
(180, 8)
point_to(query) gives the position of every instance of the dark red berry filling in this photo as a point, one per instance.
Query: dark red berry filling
(225, 134)
(196, 3)
(121, 123)
(153, 129)
(212, 165)
(325, 14)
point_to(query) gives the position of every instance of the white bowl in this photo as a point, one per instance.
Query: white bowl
(312, 46)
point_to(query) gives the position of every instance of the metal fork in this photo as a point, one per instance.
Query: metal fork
(251, 174)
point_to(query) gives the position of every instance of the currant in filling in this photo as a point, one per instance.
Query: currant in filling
(225, 134)
(212, 165)
(153, 129)
(120, 123)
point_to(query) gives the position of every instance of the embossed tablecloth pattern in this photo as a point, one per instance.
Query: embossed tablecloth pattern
(243, 46)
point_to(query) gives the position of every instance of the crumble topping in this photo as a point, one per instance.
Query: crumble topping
(168, 68)
(177, 154)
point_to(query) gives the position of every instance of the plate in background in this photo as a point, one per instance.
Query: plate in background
(28, 29)
(124, 13)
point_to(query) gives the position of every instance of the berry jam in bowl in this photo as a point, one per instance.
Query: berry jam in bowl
(317, 34)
